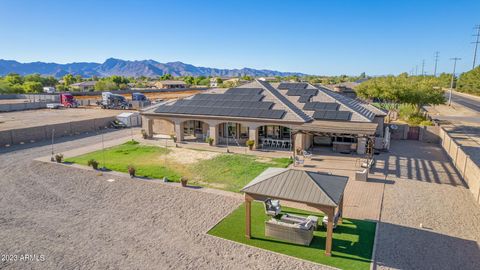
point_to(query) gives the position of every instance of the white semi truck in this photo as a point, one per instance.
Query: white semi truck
(113, 101)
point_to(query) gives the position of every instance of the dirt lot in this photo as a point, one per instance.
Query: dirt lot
(30, 118)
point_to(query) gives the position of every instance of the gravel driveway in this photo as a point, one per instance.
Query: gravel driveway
(75, 219)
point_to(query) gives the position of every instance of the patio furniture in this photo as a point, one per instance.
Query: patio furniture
(368, 163)
(272, 207)
(293, 233)
(298, 161)
(326, 194)
(295, 219)
(361, 175)
(306, 154)
(335, 220)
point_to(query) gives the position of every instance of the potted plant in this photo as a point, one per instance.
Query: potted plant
(92, 162)
(59, 158)
(250, 144)
(174, 138)
(209, 140)
(131, 171)
(184, 181)
(144, 134)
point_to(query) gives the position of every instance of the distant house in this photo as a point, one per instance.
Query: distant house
(234, 82)
(84, 86)
(268, 79)
(49, 89)
(170, 84)
(346, 89)
(214, 81)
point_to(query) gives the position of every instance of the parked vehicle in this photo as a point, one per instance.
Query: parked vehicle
(113, 101)
(66, 100)
(139, 97)
(116, 124)
(49, 89)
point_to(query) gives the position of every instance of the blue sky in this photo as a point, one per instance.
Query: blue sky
(314, 37)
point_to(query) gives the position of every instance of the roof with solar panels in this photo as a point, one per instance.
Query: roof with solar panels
(278, 102)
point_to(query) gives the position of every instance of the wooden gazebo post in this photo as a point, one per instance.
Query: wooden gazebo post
(329, 239)
(340, 209)
(248, 216)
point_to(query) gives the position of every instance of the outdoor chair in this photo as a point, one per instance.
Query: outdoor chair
(335, 220)
(298, 161)
(268, 143)
(306, 154)
(272, 207)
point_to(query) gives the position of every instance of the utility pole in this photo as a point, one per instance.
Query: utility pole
(436, 61)
(476, 42)
(416, 70)
(455, 59)
(423, 67)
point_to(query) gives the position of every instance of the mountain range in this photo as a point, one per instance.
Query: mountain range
(112, 66)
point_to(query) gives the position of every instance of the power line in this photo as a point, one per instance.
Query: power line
(423, 67)
(477, 27)
(436, 62)
(455, 59)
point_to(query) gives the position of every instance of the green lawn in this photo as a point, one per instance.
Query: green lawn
(145, 159)
(234, 171)
(352, 240)
(225, 171)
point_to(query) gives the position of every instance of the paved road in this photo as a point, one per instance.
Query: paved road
(470, 103)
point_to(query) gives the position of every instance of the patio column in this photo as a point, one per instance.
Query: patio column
(328, 243)
(248, 216)
(213, 130)
(361, 146)
(253, 135)
(340, 210)
(149, 126)
(179, 130)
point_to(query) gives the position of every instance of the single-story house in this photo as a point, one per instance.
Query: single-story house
(273, 115)
(84, 86)
(346, 89)
(170, 84)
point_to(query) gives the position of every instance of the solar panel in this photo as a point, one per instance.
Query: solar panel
(244, 91)
(302, 92)
(344, 115)
(286, 86)
(315, 106)
(332, 115)
(304, 99)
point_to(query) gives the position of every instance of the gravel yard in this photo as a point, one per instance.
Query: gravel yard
(79, 220)
(450, 234)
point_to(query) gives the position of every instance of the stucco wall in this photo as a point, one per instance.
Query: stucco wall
(39, 133)
(164, 127)
(464, 164)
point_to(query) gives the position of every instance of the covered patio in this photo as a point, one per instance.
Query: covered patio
(322, 192)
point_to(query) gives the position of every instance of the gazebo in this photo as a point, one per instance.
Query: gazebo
(320, 191)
